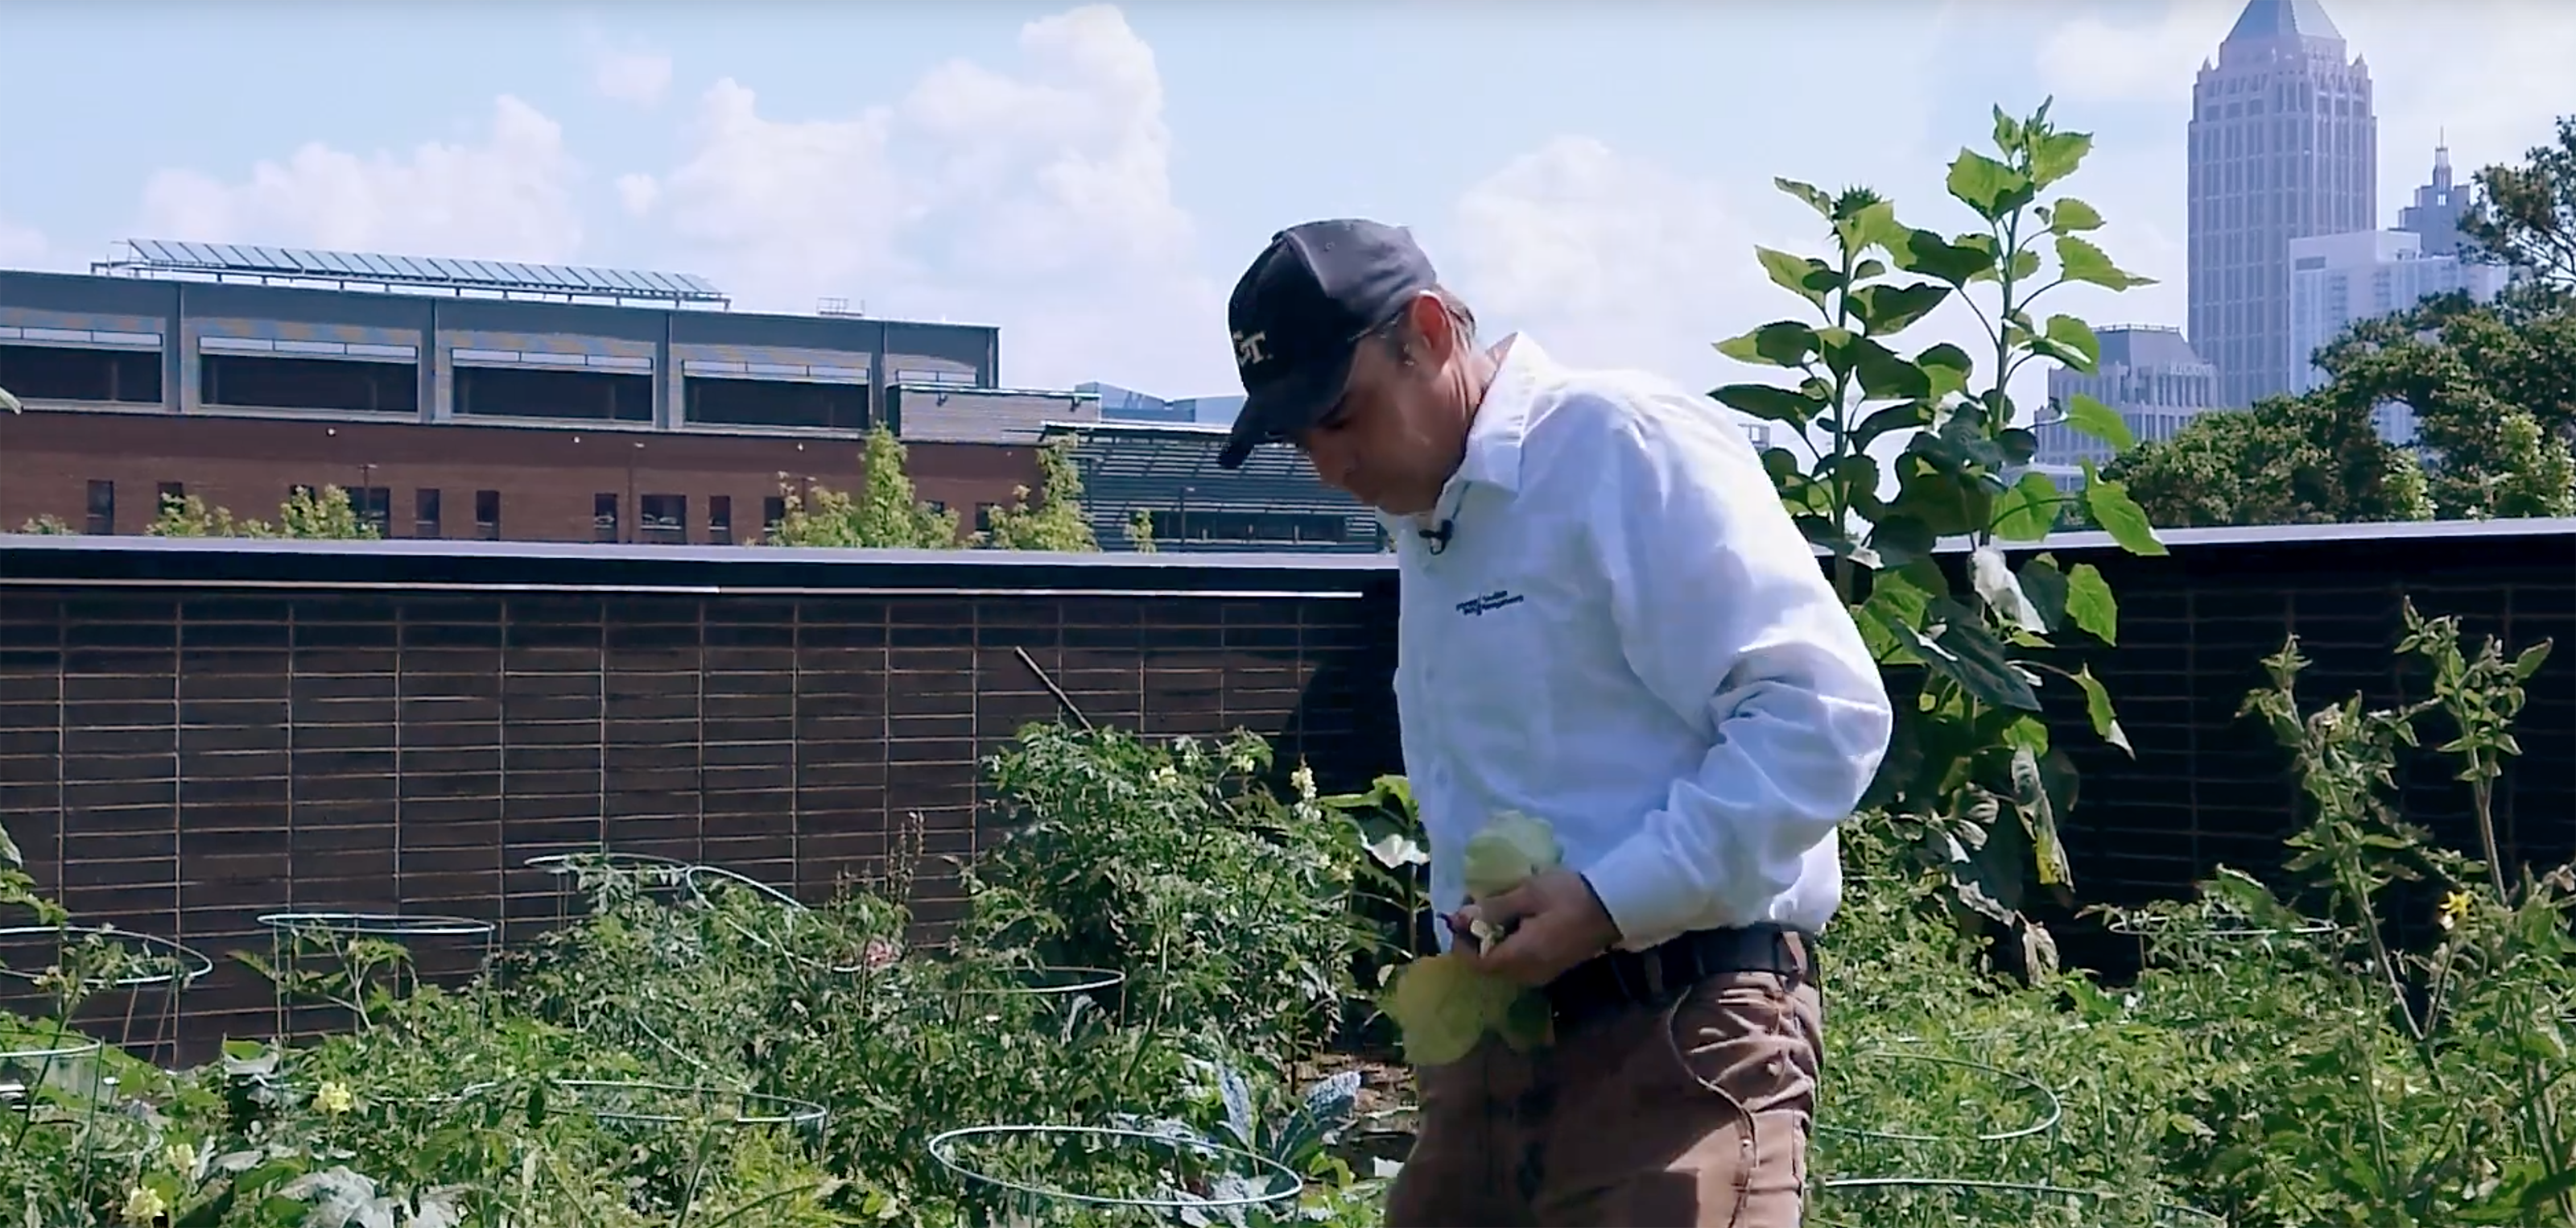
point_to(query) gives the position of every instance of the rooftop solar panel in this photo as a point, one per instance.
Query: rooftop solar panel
(454, 273)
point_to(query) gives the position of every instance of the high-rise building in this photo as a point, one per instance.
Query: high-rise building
(2339, 280)
(2284, 144)
(2148, 375)
(2435, 215)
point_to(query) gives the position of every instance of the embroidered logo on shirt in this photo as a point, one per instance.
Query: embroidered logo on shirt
(1494, 600)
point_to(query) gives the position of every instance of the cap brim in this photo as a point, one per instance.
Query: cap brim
(1276, 413)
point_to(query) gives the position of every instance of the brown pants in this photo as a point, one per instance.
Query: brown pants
(1693, 1116)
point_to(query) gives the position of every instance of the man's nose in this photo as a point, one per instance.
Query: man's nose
(1332, 464)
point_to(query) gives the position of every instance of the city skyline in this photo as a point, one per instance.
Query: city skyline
(1090, 178)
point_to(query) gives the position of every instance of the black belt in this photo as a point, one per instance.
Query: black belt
(1660, 973)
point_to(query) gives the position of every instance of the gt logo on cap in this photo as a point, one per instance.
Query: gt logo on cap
(1247, 349)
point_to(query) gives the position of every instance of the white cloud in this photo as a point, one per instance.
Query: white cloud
(507, 196)
(1037, 198)
(629, 75)
(1606, 258)
(1610, 259)
(638, 192)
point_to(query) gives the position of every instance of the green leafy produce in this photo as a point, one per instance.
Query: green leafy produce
(1444, 1004)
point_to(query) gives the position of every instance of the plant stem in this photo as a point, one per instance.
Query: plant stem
(2482, 800)
(1839, 489)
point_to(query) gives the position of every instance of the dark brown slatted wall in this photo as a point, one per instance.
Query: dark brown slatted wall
(2208, 787)
(180, 762)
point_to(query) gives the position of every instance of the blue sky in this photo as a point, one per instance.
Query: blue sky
(1093, 178)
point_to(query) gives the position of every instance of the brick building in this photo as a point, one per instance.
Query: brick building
(471, 399)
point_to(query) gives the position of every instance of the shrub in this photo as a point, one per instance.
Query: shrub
(1170, 863)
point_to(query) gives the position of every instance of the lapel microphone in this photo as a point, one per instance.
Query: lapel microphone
(1438, 534)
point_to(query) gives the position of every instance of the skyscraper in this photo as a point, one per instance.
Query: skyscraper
(2147, 374)
(2284, 144)
(2435, 215)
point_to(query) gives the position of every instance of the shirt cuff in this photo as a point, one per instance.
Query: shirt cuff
(1645, 889)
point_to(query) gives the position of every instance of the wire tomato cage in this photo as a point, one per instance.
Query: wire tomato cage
(363, 953)
(1967, 1202)
(608, 873)
(706, 885)
(2047, 1107)
(67, 966)
(1224, 1179)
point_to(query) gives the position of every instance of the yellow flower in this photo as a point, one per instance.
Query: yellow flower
(334, 1098)
(2455, 909)
(179, 1158)
(144, 1205)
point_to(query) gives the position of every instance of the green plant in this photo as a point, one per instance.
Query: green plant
(1971, 771)
(1391, 892)
(1140, 530)
(325, 514)
(1054, 520)
(884, 515)
(1168, 861)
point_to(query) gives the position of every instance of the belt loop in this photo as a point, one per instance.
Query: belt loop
(1653, 970)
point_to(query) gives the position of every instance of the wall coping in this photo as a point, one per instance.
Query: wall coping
(129, 560)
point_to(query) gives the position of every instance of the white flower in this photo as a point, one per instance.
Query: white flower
(1304, 780)
(144, 1205)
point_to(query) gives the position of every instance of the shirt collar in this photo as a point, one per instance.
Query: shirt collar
(1502, 418)
(1493, 456)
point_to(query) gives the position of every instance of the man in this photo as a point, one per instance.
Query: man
(1608, 622)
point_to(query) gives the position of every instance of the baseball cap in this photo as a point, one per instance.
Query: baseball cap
(1297, 317)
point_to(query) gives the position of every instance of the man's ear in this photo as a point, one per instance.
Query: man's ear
(1427, 320)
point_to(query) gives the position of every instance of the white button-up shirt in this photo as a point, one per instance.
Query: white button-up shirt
(1625, 635)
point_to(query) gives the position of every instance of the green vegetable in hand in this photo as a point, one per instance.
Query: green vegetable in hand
(1443, 1004)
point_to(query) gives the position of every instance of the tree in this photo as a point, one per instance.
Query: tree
(323, 515)
(1055, 520)
(1140, 530)
(884, 515)
(2526, 215)
(2288, 460)
(2493, 388)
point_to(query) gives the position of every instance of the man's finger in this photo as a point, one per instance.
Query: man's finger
(1505, 910)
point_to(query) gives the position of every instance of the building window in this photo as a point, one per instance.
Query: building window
(102, 507)
(938, 507)
(1215, 525)
(487, 515)
(68, 373)
(578, 396)
(424, 514)
(720, 519)
(261, 382)
(772, 510)
(374, 506)
(603, 518)
(663, 519)
(984, 517)
(766, 402)
(170, 493)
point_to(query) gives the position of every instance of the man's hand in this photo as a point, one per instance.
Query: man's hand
(1555, 922)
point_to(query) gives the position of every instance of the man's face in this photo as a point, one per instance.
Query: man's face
(1400, 428)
